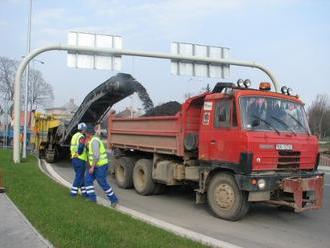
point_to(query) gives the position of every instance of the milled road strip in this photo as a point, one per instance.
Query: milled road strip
(183, 232)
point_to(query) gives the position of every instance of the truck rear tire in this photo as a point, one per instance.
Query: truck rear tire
(124, 172)
(142, 177)
(225, 199)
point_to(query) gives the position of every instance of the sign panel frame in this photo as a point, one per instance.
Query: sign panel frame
(199, 69)
(87, 60)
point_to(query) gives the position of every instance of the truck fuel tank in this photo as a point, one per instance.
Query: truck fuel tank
(168, 172)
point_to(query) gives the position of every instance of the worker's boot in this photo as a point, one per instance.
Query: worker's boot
(114, 200)
(74, 191)
(91, 193)
(112, 197)
(83, 191)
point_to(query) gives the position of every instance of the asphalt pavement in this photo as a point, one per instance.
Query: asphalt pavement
(264, 226)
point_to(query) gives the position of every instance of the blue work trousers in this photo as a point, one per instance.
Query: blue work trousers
(100, 174)
(79, 167)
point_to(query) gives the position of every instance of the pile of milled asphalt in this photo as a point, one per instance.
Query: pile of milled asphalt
(167, 109)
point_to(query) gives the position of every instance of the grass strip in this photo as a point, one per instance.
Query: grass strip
(68, 222)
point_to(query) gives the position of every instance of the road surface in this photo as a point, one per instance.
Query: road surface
(264, 225)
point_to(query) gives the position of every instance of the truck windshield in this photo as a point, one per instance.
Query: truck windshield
(274, 114)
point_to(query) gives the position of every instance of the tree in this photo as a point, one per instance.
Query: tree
(8, 69)
(319, 116)
(41, 94)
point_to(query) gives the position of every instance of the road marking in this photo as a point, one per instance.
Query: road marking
(180, 231)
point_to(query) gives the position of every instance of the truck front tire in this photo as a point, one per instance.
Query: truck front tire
(124, 172)
(225, 199)
(142, 177)
(50, 155)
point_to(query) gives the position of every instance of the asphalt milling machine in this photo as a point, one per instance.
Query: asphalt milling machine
(52, 134)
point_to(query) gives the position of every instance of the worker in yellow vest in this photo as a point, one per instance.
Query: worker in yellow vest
(78, 159)
(98, 167)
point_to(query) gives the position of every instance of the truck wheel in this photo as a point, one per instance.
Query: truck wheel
(50, 155)
(142, 177)
(225, 199)
(123, 172)
(42, 154)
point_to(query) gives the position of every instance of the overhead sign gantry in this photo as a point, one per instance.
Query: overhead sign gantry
(199, 59)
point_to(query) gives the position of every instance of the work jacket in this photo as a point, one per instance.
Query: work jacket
(103, 157)
(75, 141)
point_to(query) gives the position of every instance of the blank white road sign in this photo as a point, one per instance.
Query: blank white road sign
(199, 69)
(90, 60)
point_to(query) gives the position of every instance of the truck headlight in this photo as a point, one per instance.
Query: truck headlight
(261, 184)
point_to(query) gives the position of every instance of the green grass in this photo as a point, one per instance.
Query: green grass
(68, 222)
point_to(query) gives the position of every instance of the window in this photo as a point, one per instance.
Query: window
(222, 113)
(270, 114)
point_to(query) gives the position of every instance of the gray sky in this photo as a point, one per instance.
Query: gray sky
(290, 37)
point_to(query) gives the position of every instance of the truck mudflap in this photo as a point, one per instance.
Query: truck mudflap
(307, 193)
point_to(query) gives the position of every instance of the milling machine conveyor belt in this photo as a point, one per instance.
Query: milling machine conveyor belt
(100, 100)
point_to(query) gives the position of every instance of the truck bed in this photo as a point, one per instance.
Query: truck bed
(161, 134)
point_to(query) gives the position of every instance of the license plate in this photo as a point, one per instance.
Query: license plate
(283, 147)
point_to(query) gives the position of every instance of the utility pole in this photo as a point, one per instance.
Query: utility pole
(27, 82)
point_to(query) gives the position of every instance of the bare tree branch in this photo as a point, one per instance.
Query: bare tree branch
(319, 116)
(41, 94)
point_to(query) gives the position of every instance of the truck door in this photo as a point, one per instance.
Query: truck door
(223, 134)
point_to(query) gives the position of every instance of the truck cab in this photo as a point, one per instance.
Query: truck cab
(271, 129)
(262, 139)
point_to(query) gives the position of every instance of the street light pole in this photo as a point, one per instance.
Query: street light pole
(27, 82)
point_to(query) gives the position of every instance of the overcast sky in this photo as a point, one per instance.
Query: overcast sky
(292, 38)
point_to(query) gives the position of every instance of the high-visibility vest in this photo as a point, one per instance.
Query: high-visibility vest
(103, 159)
(74, 147)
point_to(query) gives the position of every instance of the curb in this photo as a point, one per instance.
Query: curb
(180, 231)
(42, 239)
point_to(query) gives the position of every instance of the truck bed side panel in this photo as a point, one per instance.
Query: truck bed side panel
(151, 134)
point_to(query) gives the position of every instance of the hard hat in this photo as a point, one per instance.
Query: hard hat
(82, 126)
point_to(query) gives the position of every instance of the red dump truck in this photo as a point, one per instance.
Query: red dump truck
(234, 145)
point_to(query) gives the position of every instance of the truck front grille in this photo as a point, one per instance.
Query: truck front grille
(288, 160)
